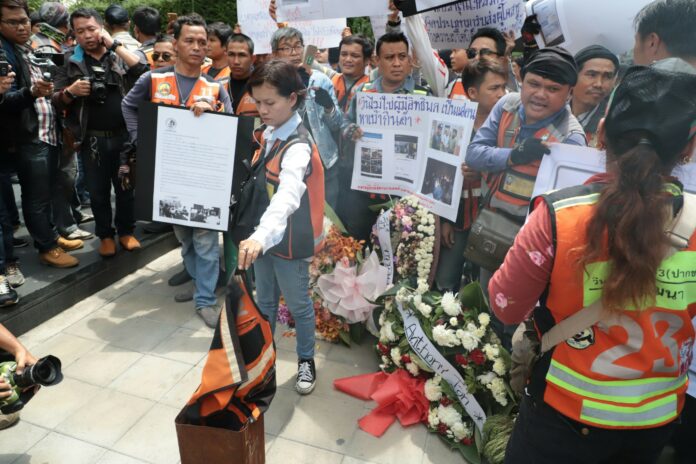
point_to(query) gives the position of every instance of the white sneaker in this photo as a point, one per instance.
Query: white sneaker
(79, 234)
(306, 376)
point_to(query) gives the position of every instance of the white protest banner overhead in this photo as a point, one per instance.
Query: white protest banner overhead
(255, 21)
(295, 10)
(454, 25)
(413, 144)
(565, 23)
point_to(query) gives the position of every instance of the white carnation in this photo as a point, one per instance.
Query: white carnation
(497, 387)
(450, 304)
(469, 340)
(413, 369)
(448, 415)
(433, 390)
(386, 334)
(423, 286)
(425, 309)
(453, 321)
(487, 378)
(444, 336)
(433, 419)
(480, 332)
(396, 356)
(492, 352)
(460, 431)
(484, 319)
(499, 367)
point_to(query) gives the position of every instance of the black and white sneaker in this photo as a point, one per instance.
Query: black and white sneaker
(306, 376)
(8, 296)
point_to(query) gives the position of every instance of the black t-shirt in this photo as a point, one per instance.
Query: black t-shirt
(237, 89)
(105, 116)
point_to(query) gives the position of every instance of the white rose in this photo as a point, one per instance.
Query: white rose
(453, 321)
(448, 415)
(484, 319)
(425, 309)
(396, 356)
(492, 352)
(413, 369)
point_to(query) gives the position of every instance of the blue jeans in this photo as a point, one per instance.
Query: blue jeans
(201, 252)
(37, 167)
(290, 277)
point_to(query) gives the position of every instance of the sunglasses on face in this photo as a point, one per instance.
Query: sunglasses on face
(472, 53)
(165, 56)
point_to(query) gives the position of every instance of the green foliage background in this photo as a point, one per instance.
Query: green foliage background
(211, 10)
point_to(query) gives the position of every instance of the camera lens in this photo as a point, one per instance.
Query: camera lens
(46, 372)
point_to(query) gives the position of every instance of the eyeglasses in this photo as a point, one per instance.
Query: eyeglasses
(16, 23)
(472, 53)
(165, 56)
(297, 49)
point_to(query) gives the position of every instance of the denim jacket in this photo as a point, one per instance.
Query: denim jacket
(320, 123)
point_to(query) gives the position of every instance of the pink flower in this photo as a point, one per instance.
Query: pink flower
(537, 258)
(501, 301)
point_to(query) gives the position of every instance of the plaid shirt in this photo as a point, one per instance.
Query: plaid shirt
(45, 111)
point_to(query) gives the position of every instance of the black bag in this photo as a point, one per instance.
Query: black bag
(253, 201)
(491, 236)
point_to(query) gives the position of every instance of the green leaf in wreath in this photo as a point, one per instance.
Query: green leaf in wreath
(356, 332)
(344, 335)
(471, 296)
(469, 452)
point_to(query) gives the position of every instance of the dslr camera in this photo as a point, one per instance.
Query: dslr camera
(48, 63)
(98, 82)
(46, 372)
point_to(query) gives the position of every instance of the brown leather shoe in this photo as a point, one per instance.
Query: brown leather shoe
(70, 245)
(129, 243)
(107, 248)
(57, 257)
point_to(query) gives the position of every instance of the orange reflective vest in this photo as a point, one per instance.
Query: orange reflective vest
(223, 76)
(247, 106)
(238, 380)
(456, 91)
(166, 90)
(304, 233)
(629, 371)
(344, 94)
(512, 188)
(148, 51)
(43, 44)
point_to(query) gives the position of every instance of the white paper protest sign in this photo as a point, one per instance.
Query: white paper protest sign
(453, 26)
(413, 144)
(255, 21)
(302, 10)
(570, 165)
(575, 25)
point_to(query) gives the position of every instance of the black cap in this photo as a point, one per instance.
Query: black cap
(116, 14)
(554, 63)
(595, 51)
(661, 103)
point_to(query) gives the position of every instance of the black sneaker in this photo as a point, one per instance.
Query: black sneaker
(180, 278)
(8, 296)
(306, 376)
(19, 242)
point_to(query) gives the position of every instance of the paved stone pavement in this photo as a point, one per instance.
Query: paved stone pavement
(132, 357)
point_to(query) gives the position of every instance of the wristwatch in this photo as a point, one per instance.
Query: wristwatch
(117, 43)
(70, 95)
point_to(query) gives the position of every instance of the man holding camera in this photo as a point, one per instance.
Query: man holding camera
(30, 136)
(97, 75)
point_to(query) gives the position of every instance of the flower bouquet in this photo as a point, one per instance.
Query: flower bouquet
(458, 328)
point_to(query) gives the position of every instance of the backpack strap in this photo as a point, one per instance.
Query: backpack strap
(683, 225)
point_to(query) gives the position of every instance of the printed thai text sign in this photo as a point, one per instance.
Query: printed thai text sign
(453, 26)
(413, 144)
(296, 10)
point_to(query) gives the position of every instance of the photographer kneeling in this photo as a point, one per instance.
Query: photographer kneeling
(22, 357)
